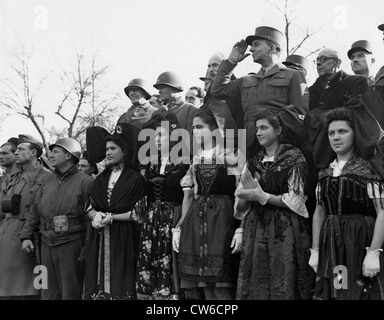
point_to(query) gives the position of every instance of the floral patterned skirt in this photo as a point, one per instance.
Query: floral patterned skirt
(274, 257)
(154, 280)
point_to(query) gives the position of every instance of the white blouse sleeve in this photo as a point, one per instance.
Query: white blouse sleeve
(187, 181)
(295, 202)
(240, 214)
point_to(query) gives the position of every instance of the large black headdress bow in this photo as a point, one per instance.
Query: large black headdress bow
(95, 140)
(368, 131)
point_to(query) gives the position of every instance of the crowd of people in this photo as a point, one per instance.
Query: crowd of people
(276, 191)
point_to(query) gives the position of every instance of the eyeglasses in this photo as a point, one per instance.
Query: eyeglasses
(322, 59)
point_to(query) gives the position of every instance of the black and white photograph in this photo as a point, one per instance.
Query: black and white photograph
(177, 153)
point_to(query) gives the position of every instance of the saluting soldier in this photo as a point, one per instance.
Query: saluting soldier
(273, 87)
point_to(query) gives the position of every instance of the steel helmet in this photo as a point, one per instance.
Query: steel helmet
(138, 83)
(169, 78)
(69, 144)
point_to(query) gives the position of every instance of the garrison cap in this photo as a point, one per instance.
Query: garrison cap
(14, 141)
(267, 33)
(27, 138)
(361, 45)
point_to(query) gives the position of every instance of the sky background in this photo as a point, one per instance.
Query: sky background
(143, 38)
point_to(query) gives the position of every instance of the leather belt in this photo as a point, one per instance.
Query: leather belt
(72, 221)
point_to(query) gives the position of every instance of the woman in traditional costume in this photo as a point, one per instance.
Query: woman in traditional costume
(204, 233)
(117, 195)
(348, 223)
(156, 270)
(273, 237)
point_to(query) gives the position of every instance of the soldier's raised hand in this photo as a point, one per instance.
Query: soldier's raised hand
(238, 52)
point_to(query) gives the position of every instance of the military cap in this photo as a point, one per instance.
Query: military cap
(171, 79)
(381, 27)
(298, 61)
(361, 45)
(138, 83)
(267, 33)
(27, 138)
(14, 141)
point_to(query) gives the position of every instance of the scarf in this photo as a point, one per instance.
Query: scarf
(129, 189)
(274, 175)
(358, 173)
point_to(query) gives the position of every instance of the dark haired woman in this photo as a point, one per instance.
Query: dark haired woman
(348, 223)
(118, 193)
(204, 233)
(271, 203)
(155, 263)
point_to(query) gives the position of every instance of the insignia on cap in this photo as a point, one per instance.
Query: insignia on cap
(119, 129)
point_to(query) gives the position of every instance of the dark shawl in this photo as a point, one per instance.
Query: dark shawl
(358, 173)
(129, 188)
(128, 194)
(274, 175)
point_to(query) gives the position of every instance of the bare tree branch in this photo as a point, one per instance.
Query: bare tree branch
(85, 101)
(287, 12)
(17, 95)
(306, 37)
(313, 51)
(275, 6)
(296, 47)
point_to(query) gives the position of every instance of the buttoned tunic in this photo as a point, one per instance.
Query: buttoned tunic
(278, 88)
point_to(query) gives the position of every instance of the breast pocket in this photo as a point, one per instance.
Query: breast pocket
(249, 89)
(277, 89)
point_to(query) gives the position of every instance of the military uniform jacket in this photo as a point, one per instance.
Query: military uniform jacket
(184, 111)
(61, 194)
(278, 88)
(138, 115)
(4, 181)
(16, 267)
